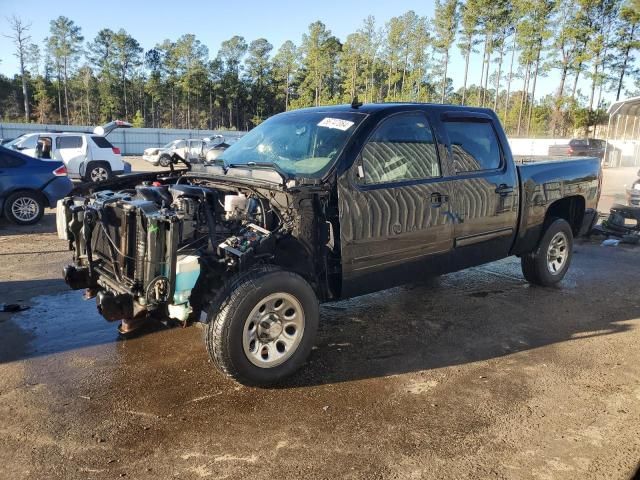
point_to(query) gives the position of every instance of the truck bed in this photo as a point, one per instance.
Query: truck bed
(544, 182)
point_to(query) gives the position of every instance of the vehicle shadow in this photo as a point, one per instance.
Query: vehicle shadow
(478, 314)
(461, 318)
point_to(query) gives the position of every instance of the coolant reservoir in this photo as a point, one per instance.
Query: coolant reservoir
(234, 202)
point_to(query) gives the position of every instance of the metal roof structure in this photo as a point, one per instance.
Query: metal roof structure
(624, 119)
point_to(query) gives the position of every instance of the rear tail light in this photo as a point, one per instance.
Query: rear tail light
(116, 150)
(60, 171)
(570, 150)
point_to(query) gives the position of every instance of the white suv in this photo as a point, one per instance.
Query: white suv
(87, 156)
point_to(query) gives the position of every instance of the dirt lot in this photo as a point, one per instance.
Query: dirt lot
(474, 375)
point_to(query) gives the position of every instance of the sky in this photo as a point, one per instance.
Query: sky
(214, 21)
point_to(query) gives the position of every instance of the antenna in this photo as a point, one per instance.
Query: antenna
(355, 103)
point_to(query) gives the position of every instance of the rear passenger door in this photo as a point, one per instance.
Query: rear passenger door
(70, 149)
(485, 189)
(394, 205)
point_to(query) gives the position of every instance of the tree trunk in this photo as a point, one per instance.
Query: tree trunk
(124, 91)
(622, 72)
(624, 66)
(525, 90)
(486, 79)
(25, 92)
(484, 58)
(559, 94)
(466, 71)
(444, 76)
(495, 101)
(66, 92)
(59, 68)
(513, 55)
(533, 89)
(575, 82)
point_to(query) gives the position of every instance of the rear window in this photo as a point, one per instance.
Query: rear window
(579, 143)
(101, 142)
(474, 145)
(69, 142)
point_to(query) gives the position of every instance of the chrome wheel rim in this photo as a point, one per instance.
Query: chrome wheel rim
(273, 330)
(99, 174)
(25, 209)
(557, 253)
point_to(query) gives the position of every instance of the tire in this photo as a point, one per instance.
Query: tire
(164, 161)
(24, 207)
(262, 326)
(549, 262)
(98, 172)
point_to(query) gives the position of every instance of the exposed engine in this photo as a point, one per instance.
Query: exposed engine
(147, 248)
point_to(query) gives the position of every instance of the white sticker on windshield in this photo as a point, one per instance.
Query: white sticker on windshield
(338, 123)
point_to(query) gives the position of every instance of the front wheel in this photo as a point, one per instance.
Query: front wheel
(548, 264)
(165, 161)
(263, 327)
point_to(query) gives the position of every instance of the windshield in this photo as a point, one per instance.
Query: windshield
(28, 140)
(299, 143)
(172, 143)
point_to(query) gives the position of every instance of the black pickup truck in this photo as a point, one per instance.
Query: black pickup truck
(317, 205)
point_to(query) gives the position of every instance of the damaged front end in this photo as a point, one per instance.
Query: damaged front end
(164, 247)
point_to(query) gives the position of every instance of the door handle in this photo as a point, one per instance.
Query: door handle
(503, 190)
(437, 199)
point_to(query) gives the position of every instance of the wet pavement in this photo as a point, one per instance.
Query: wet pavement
(471, 375)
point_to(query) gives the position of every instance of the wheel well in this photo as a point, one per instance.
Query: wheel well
(571, 209)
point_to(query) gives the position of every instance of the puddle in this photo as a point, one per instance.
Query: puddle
(54, 323)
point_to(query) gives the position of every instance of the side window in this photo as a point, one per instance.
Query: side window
(401, 148)
(68, 141)
(474, 145)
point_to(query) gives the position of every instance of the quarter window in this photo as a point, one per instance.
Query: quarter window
(69, 142)
(401, 148)
(474, 145)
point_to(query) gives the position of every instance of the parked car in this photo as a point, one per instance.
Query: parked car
(28, 185)
(87, 156)
(4, 141)
(316, 205)
(192, 150)
(588, 147)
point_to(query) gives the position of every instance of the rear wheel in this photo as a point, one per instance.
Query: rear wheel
(98, 172)
(24, 207)
(263, 327)
(548, 264)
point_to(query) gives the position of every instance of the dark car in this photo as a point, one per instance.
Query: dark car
(586, 147)
(316, 205)
(28, 185)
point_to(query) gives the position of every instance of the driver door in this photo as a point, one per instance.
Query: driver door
(395, 224)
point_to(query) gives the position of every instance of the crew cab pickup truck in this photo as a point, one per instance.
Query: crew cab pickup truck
(317, 205)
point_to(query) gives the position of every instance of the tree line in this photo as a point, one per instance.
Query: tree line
(592, 44)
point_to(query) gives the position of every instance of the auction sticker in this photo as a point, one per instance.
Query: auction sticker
(338, 123)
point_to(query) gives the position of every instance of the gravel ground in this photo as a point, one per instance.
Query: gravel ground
(473, 375)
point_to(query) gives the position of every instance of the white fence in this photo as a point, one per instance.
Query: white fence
(539, 147)
(131, 141)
